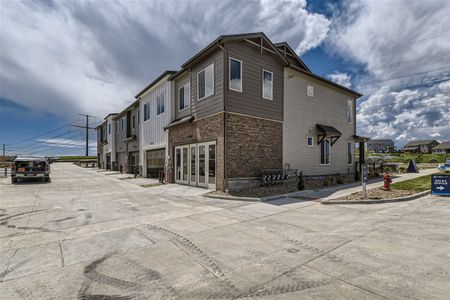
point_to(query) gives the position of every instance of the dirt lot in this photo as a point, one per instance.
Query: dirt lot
(86, 235)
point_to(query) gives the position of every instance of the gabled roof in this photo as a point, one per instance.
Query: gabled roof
(284, 46)
(111, 114)
(381, 141)
(155, 82)
(442, 146)
(126, 109)
(418, 143)
(234, 37)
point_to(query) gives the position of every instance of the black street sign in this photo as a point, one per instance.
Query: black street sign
(440, 185)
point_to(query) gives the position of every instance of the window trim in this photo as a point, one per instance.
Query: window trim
(350, 153)
(351, 111)
(307, 93)
(157, 106)
(213, 82)
(312, 141)
(229, 74)
(329, 152)
(184, 94)
(262, 83)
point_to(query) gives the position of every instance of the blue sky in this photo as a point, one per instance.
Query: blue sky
(63, 58)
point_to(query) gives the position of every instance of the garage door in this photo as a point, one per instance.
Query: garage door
(155, 162)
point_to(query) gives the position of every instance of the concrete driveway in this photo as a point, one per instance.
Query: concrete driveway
(87, 235)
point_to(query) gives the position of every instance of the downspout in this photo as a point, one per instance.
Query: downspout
(225, 152)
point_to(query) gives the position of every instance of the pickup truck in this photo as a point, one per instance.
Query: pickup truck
(26, 167)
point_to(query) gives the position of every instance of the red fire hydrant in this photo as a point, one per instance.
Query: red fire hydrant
(387, 182)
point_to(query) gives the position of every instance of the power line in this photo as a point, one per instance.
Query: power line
(87, 128)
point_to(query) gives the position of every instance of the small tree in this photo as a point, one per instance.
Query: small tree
(301, 182)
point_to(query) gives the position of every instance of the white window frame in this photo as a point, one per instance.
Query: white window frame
(310, 88)
(262, 83)
(229, 74)
(329, 152)
(213, 83)
(351, 111)
(350, 153)
(312, 141)
(184, 94)
(158, 99)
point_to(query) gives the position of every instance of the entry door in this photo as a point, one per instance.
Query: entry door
(207, 165)
(181, 164)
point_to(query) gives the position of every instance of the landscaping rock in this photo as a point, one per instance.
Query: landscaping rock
(378, 193)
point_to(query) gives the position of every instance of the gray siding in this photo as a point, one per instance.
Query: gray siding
(250, 100)
(121, 135)
(179, 82)
(214, 103)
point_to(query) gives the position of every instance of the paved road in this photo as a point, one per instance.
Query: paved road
(87, 235)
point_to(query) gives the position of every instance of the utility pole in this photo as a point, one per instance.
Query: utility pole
(87, 128)
(4, 145)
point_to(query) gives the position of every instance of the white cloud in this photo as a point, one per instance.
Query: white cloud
(341, 78)
(404, 49)
(68, 57)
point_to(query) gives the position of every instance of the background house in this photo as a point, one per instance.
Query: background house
(442, 148)
(381, 146)
(420, 146)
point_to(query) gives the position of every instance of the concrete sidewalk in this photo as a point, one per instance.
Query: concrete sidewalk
(344, 190)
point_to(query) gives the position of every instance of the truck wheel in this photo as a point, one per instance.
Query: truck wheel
(13, 180)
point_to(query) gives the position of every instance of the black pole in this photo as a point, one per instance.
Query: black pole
(87, 135)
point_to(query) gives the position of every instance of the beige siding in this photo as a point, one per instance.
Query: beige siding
(214, 103)
(302, 113)
(250, 100)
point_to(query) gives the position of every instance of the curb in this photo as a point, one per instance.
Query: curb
(249, 199)
(377, 201)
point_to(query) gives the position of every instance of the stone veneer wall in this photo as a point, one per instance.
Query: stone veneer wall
(253, 145)
(202, 130)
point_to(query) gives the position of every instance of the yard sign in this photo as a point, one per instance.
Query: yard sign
(440, 185)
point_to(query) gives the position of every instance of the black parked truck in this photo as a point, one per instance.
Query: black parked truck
(25, 167)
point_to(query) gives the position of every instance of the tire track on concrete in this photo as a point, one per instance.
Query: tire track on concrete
(202, 258)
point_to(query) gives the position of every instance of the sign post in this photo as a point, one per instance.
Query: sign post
(440, 185)
(364, 179)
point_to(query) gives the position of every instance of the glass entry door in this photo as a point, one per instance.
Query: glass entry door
(181, 164)
(195, 164)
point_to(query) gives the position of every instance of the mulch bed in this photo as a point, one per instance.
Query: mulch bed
(378, 193)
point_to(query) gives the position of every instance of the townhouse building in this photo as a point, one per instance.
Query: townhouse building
(156, 110)
(241, 106)
(106, 142)
(424, 146)
(381, 146)
(126, 135)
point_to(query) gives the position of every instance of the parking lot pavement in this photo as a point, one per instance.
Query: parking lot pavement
(87, 235)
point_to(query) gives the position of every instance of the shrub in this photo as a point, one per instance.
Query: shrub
(325, 181)
(339, 179)
(301, 182)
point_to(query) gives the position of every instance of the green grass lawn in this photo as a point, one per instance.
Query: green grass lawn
(61, 158)
(419, 184)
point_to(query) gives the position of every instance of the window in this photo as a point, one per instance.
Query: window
(349, 153)
(309, 141)
(267, 85)
(349, 111)
(122, 121)
(205, 82)
(325, 152)
(184, 96)
(160, 104)
(146, 111)
(235, 78)
(310, 90)
(109, 129)
(139, 116)
(134, 121)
